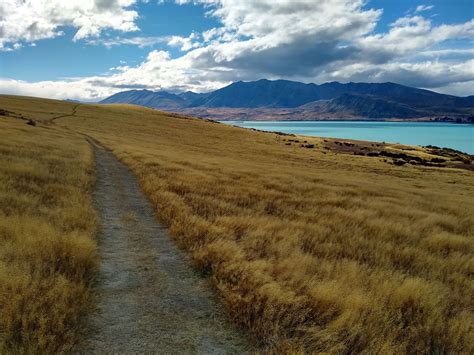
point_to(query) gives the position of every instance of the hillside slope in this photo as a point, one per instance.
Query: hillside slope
(310, 247)
(48, 255)
(161, 99)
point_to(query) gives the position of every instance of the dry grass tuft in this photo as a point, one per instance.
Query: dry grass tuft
(47, 256)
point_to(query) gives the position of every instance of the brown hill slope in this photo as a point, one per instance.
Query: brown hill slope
(309, 248)
(48, 256)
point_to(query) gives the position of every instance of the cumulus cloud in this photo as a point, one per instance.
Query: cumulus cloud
(32, 20)
(157, 72)
(408, 35)
(282, 38)
(327, 40)
(184, 43)
(427, 74)
(306, 40)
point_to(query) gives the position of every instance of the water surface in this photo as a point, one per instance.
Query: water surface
(456, 136)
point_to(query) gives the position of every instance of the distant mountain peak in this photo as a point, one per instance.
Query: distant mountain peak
(148, 98)
(369, 100)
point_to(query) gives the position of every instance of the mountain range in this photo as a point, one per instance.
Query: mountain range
(291, 100)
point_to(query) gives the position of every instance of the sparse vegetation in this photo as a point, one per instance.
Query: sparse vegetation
(310, 250)
(47, 254)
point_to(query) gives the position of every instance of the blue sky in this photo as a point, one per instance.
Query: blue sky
(61, 57)
(89, 49)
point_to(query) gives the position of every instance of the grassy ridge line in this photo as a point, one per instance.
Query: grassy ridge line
(310, 251)
(48, 256)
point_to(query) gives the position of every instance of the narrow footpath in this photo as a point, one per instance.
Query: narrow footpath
(150, 300)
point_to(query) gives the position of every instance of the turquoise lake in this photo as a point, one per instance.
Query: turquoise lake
(450, 135)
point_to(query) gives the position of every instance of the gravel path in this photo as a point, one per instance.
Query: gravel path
(150, 298)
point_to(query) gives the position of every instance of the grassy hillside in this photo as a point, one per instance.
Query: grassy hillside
(47, 253)
(310, 249)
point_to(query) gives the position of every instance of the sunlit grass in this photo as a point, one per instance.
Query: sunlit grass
(310, 251)
(47, 254)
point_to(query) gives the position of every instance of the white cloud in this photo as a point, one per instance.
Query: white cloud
(306, 40)
(32, 20)
(449, 52)
(457, 88)
(58, 89)
(427, 74)
(141, 42)
(185, 43)
(410, 34)
(263, 37)
(421, 8)
(157, 72)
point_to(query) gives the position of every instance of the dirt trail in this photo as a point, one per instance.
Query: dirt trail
(150, 298)
(72, 114)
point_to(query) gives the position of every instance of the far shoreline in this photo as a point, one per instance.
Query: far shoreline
(234, 123)
(391, 120)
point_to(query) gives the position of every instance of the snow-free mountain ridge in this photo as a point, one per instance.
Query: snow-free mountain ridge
(357, 100)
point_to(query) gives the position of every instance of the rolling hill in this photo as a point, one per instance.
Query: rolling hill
(283, 99)
(314, 245)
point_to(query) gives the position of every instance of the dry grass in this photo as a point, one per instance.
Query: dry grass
(47, 255)
(310, 250)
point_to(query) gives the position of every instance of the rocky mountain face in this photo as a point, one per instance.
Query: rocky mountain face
(283, 99)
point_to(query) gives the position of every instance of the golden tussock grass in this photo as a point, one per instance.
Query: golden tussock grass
(310, 250)
(47, 255)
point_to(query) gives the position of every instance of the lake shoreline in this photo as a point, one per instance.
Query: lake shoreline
(409, 120)
(457, 136)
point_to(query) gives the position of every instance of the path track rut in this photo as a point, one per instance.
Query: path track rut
(150, 298)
